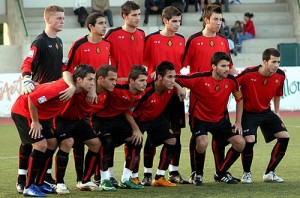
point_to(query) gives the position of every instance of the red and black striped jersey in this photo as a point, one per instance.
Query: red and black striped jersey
(199, 50)
(126, 49)
(84, 52)
(258, 90)
(160, 48)
(209, 97)
(152, 104)
(45, 97)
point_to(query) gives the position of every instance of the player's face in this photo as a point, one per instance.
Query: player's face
(169, 79)
(100, 26)
(133, 18)
(272, 64)
(173, 24)
(87, 82)
(138, 84)
(214, 23)
(110, 81)
(221, 69)
(56, 21)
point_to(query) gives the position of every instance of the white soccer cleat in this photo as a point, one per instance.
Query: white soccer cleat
(89, 186)
(61, 189)
(272, 177)
(246, 178)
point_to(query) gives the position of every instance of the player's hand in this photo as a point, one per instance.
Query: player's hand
(137, 138)
(237, 128)
(27, 85)
(35, 130)
(92, 97)
(67, 94)
(181, 94)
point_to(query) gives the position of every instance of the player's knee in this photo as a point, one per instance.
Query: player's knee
(52, 143)
(66, 144)
(282, 134)
(170, 141)
(40, 145)
(238, 143)
(93, 144)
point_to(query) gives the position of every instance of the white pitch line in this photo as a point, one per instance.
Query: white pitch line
(293, 126)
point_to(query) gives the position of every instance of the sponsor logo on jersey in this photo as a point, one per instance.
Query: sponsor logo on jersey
(42, 99)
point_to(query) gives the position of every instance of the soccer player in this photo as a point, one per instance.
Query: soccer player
(92, 50)
(199, 50)
(259, 85)
(32, 116)
(112, 128)
(160, 46)
(210, 93)
(150, 115)
(127, 42)
(71, 127)
(43, 64)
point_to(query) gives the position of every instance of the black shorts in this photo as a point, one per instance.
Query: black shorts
(23, 125)
(158, 130)
(176, 111)
(118, 127)
(268, 121)
(221, 131)
(80, 130)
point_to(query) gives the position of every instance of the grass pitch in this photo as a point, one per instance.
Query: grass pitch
(288, 170)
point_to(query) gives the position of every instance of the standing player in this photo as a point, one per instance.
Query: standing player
(209, 97)
(199, 49)
(160, 46)
(92, 50)
(259, 85)
(43, 64)
(32, 115)
(109, 123)
(127, 42)
(151, 116)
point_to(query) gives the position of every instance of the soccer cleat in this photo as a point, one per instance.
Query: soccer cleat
(147, 181)
(272, 177)
(96, 179)
(61, 189)
(49, 180)
(235, 178)
(45, 188)
(135, 180)
(162, 182)
(198, 180)
(33, 191)
(224, 178)
(78, 184)
(107, 186)
(89, 186)
(20, 187)
(130, 185)
(177, 179)
(114, 182)
(246, 178)
(191, 179)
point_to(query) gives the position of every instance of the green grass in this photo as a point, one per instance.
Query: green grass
(288, 169)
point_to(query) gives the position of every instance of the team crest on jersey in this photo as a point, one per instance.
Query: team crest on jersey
(42, 99)
(98, 50)
(265, 81)
(222, 43)
(170, 43)
(276, 81)
(217, 88)
(106, 48)
(212, 43)
(56, 45)
(132, 38)
(30, 53)
(226, 86)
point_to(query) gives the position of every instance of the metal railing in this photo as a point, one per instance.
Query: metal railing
(23, 18)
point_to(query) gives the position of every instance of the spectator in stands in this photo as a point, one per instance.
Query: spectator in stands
(102, 6)
(249, 29)
(153, 7)
(235, 30)
(80, 9)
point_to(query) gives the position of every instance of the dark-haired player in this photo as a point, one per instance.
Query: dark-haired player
(259, 85)
(209, 97)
